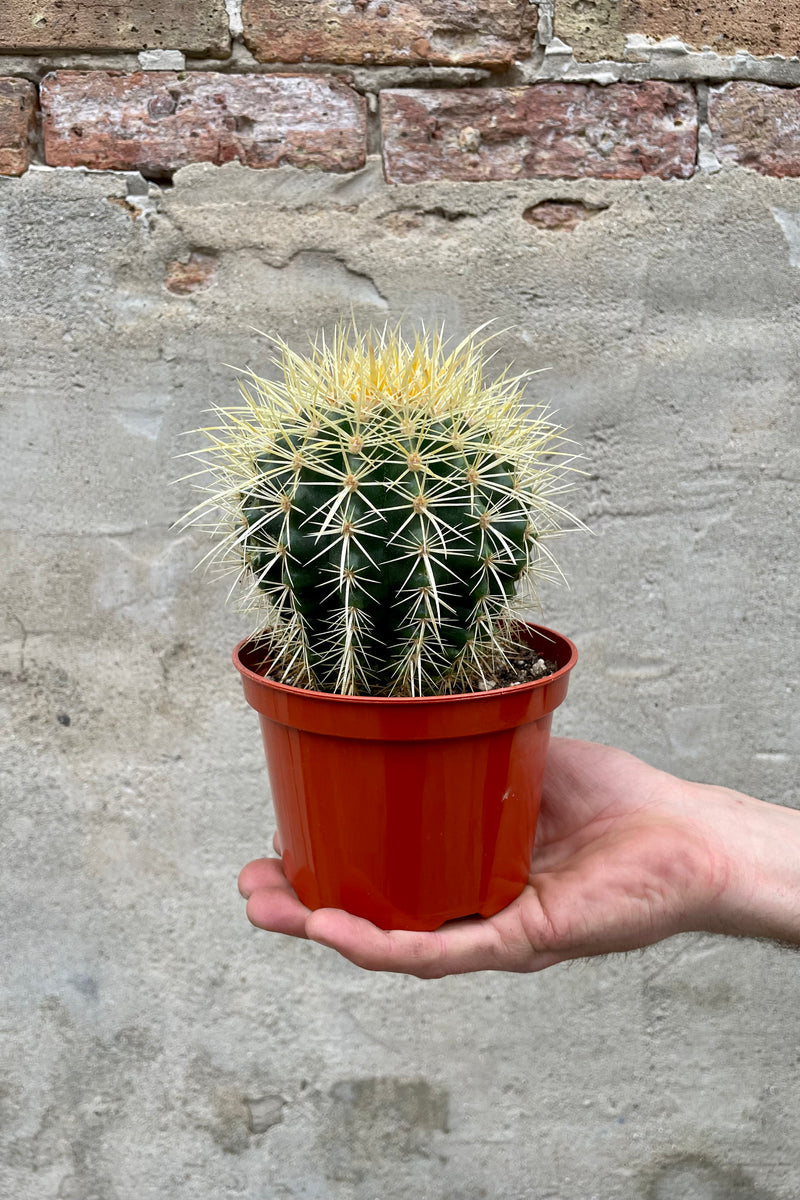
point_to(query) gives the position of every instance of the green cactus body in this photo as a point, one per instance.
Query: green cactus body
(386, 505)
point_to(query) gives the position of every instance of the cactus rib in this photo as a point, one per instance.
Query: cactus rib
(387, 507)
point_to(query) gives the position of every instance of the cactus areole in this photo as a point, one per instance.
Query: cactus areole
(387, 509)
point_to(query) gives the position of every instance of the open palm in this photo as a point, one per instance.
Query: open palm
(622, 860)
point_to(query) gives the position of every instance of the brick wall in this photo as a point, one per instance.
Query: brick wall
(442, 89)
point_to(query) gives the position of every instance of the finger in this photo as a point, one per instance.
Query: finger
(278, 910)
(460, 946)
(276, 843)
(263, 872)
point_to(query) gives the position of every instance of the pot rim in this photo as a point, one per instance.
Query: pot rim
(514, 689)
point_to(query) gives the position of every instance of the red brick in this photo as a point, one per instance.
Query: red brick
(158, 121)
(757, 126)
(196, 26)
(550, 130)
(597, 29)
(475, 33)
(197, 273)
(560, 214)
(765, 27)
(17, 124)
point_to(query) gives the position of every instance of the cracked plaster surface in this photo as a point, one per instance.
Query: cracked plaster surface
(145, 1017)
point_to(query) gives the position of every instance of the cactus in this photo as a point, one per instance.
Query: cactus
(388, 508)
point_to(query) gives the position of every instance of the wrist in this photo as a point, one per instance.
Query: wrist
(753, 851)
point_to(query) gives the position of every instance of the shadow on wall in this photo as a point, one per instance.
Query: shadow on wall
(382, 1118)
(695, 1177)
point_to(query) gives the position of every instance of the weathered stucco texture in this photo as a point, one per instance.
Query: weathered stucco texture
(155, 1045)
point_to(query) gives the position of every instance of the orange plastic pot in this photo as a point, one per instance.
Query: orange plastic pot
(409, 812)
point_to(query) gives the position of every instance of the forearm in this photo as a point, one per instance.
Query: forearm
(757, 850)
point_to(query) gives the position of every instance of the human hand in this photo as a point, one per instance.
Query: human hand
(625, 856)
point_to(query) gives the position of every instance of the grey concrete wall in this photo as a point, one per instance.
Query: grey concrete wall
(157, 1047)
